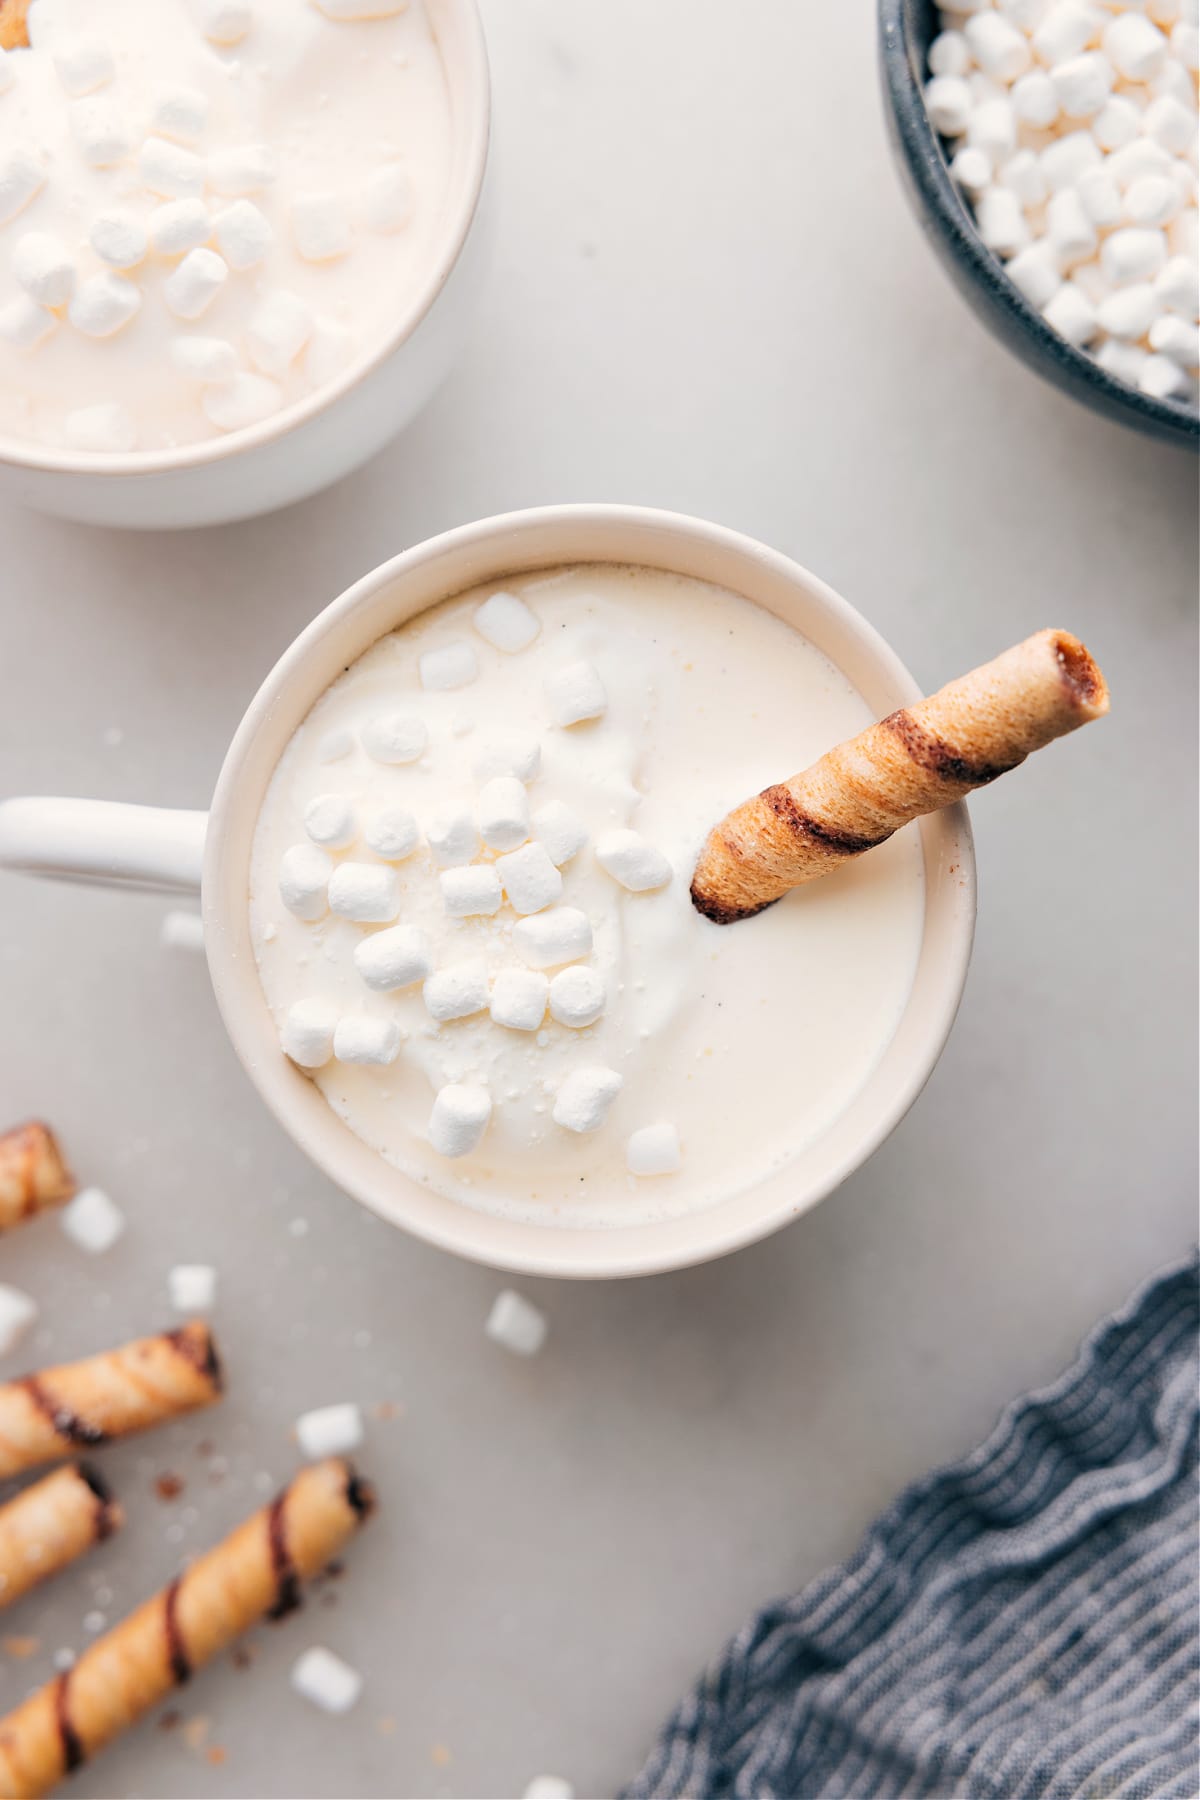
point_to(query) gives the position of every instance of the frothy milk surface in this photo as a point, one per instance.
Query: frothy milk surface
(208, 211)
(719, 1052)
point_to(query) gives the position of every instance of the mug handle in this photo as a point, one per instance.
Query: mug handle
(104, 843)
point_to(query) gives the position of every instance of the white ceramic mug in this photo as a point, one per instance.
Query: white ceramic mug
(104, 842)
(330, 433)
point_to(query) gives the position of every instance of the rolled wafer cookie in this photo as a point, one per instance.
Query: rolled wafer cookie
(33, 1173)
(52, 1414)
(14, 33)
(255, 1573)
(913, 762)
(50, 1524)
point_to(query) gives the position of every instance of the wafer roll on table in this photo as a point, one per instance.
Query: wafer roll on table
(50, 1415)
(50, 1524)
(915, 761)
(33, 1173)
(254, 1574)
(14, 33)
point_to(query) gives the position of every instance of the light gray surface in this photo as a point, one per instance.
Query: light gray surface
(709, 295)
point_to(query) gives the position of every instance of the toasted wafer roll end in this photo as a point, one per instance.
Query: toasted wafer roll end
(14, 33)
(33, 1173)
(913, 762)
(51, 1523)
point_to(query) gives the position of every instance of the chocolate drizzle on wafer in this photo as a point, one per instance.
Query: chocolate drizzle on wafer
(66, 1423)
(181, 1668)
(73, 1754)
(287, 1581)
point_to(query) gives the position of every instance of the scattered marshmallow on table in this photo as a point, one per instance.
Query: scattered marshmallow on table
(192, 1287)
(92, 1221)
(18, 1312)
(364, 892)
(545, 939)
(471, 890)
(521, 757)
(505, 622)
(584, 1098)
(304, 873)
(561, 832)
(549, 1787)
(357, 1039)
(516, 1324)
(393, 959)
(456, 992)
(503, 813)
(395, 737)
(450, 666)
(629, 859)
(392, 833)
(459, 1119)
(329, 1431)
(577, 996)
(654, 1150)
(452, 838)
(576, 694)
(531, 880)
(307, 1035)
(519, 998)
(182, 931)
(330, 821)
(326, 1681)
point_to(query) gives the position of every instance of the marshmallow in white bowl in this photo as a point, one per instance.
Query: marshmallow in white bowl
(453, 839)
(561, 832)
(470, 891)
(393, 959)
(395, 737)
(503, 813)
(279, 328)
(456, 992)
(452, 665)
(364, 892)
(375, 1042)
(584, 1098)
(307, 1035)
(330, 821)
(505, 622)
(629, 859)
(459, 1118)
(44, 267)
(530, 879)
(561, 935)
(516, 1324)
(521, 757)
(304, 874)
(391, 833)
(654, 1150)
(576, 694)
(519, 999)
(577, 996)
(321, 224)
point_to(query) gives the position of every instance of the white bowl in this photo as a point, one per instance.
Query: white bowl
(123, 844)
(308, 446)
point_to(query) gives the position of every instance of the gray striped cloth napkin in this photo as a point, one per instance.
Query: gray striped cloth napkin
(1021, 1624)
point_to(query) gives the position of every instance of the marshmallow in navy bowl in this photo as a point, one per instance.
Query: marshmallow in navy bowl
(239, 246)
(1048, 148)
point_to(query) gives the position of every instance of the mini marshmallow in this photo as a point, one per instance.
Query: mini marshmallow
(452, 838)
(576, 694)
(24, 324)
(108, 426)
(307, 1035)
(519, 999)
(459, 1119)
(1162, 378)
(1083, 83)
(1122, 361)
(530, 879)
(204, 358)
(244, 400)
(324, 1679)
(179, 225)
(1117, 123)
(553, 1787)
(83, 63)
(562, 935)
(516, 1324)
(327, 352)
(503, 813)
(393, 959)
(1071, 314)
(102, 304)
(279, 328)
(1070, 232)
(1185, 44)
(1151, 200)
(21, 177)
(320, 225)
(18, 1311)
(100, 131)
(1067, 158)
(395, 738)
(193, 286)
(470, 891)
(948, 103)
(1023, 173)
(453, 665)
(1135, 253)
(364, 892)
(1034, 271)
(192, 1287)
(1142, 157)
(182, 931)
(521, 757)
(119, 239)
(629, 859)
(92, 1221)
(180, 113)
(335, 745)
(992, 128)
(245, 169)
(560, 832)
(389, 199)
(1136, 48)
(391, 833)
(505, 622)
(329, 1431)
(243, 234)
(373, 1042)
(1090, 277)
(170, 170)
(583, 1100)
(998, 47)
(304, 873)
(1183, 234)
(1066, 29)
(44, 267)
(1177, 339)
(1170, 124)
(577, 996)
(329, 821)
(949, 54)
(457, 991)
(654, 1150)
(226, 22)
(971, 169)
(1001, 221)
(1034, 99)
(1099, 197)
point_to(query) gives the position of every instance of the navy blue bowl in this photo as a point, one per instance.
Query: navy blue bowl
(906, 29)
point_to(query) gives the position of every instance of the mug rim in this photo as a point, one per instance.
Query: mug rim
(558, 1250)
(474, 139)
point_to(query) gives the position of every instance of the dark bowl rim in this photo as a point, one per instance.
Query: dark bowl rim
(927, 160)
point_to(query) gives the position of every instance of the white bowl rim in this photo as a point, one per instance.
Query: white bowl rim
(476, 133)
(316, 1129)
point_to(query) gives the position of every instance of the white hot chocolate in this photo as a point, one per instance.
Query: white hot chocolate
(470, 904)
